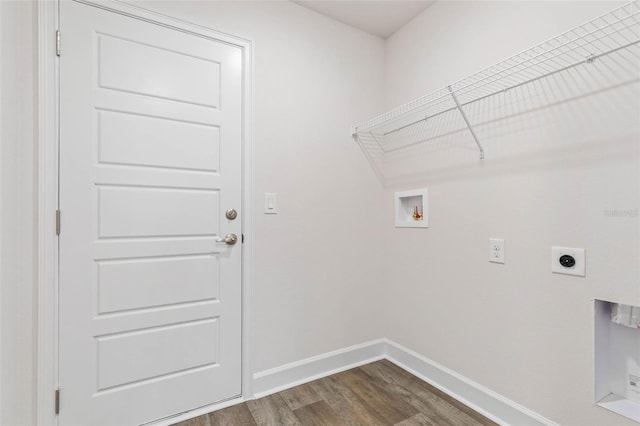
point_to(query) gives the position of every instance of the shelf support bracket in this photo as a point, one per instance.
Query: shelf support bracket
(464, 117)
(370, 159)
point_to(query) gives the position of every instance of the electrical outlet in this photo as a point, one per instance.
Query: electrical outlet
(569, 261)
(496, 250)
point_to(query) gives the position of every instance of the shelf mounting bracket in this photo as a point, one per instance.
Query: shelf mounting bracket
(464, 117)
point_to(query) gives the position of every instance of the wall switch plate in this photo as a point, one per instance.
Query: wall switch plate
(270, 203)
(496, 250)
(569, 261)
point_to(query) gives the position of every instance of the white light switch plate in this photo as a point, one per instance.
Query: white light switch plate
(578, 269)
(270, 203)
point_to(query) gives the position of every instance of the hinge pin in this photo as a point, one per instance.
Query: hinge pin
(57, 401)
(57, 222)
(58, 43)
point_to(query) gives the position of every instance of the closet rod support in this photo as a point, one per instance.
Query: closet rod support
(464, 117)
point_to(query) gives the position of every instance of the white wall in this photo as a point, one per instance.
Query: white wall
(1, 231)
(548, 179)
(17, 213)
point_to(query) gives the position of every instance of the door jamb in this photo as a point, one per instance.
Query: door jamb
(47, 196)
(47, 192)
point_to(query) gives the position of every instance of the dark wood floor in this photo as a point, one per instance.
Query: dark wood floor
(379, 393)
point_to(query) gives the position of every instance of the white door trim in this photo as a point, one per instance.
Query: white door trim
(1, 144)
(47, 356)
(48, 109)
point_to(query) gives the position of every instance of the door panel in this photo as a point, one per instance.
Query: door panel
(131, 357)
(139, 211)
(177, 75)
(150, 158)
(132, 139)
(149, 282)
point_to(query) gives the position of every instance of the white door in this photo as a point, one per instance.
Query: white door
(150, 160)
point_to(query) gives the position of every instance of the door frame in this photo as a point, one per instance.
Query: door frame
(47, 196)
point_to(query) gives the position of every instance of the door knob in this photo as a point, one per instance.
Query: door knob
(229, 239)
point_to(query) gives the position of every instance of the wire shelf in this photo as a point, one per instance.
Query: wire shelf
(608, 44)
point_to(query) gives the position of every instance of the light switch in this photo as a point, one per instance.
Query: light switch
(270, 204)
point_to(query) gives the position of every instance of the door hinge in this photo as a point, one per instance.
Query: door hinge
(57, 222)
(57, 42)
(243, 238)
(57, 401)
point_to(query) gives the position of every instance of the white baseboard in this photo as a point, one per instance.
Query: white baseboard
(294, 374)
(485, 401)
(488, 403)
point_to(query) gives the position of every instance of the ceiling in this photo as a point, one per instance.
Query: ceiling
(378, 17)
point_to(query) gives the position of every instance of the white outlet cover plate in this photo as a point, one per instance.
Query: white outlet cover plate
(496, 250)
(578, 269)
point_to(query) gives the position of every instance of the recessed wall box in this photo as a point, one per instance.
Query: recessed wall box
(411, 209)
(617, 363)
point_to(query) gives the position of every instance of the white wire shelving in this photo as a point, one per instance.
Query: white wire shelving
(613, 38)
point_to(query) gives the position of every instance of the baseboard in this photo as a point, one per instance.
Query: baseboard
(294, 374)
(485, 401)
(492, 405)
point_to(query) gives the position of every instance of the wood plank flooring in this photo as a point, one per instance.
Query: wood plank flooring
(379, 393)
